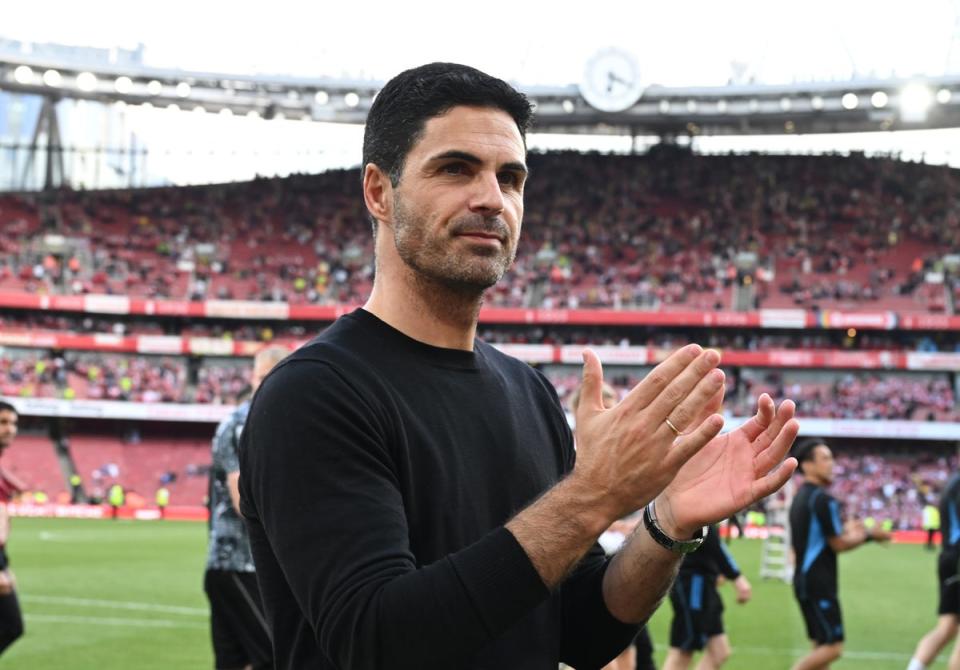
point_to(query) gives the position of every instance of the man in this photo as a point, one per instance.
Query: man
(239, 632)
(948, 573)
(639, 654)
(411, 492)
(697, 607)
(11, 621)
(818, 536)
(931, 522)
(116, 496)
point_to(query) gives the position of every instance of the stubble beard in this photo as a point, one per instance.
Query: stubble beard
(433, 261)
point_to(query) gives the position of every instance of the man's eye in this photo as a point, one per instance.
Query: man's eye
(508, 178)
(453, 168)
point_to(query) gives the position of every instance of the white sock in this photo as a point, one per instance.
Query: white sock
(916, 665)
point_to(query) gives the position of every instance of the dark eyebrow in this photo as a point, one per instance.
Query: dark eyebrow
(466, 157)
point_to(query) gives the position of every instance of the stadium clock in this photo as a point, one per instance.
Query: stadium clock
(611, 80)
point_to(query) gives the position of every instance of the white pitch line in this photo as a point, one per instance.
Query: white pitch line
(115, 604)
(111, 621)
(848, 654)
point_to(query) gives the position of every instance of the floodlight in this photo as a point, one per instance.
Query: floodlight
(721, 106)
(816, 102)
(183, 89)
(691, 105)
(943, 96)
(568, 106)
(754, 105)
(23, 75)
(915, 100)
(321, 97)
(253, 114)
(849, 101)
(664, 106)
(351, 99)
(199, 109)
(52, 78)
(123, 84)
(226, 111)
(879, 99)
(173, 107)
(154, 87)
(86, 81)
(785, 104)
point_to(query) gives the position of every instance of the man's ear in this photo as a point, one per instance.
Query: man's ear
(378, 193)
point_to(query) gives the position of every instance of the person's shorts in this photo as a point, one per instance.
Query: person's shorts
(237, 624)
(948, 573)
(823, 618)
(697, 612)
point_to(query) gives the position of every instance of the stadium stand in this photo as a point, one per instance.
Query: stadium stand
(655, 231)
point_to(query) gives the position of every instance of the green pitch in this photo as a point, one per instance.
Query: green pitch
(108, 595)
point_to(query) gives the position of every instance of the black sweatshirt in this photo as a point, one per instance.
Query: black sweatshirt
(377, 474)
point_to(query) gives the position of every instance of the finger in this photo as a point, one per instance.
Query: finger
(761, 420)
(591, 390)
(694, 405)
(657, 379)
(677, 390)
(773, 481)
(768, 458)
(784, 414)
(686, 447)
(712, 407)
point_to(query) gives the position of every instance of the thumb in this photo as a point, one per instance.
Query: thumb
(591, 392)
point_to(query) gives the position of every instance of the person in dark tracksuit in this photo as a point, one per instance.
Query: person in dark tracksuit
(948, 575)
(818, 535)
(11, 620)
(697, 607)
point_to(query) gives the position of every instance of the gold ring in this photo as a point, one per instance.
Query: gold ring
(676, 431)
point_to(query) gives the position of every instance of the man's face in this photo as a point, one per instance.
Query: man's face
(459, 204)
(820, 467)
(8, 428)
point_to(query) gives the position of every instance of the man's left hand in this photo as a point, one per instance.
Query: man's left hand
(733, 471)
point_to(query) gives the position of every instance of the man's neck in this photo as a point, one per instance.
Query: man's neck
(426, 310)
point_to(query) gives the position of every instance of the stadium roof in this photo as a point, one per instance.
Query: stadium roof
(694, 43)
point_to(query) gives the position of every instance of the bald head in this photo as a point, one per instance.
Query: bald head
(264, 362)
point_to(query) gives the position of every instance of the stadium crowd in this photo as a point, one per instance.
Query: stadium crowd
(76, 375)
(656, 231)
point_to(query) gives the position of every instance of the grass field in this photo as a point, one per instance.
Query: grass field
(106, 595)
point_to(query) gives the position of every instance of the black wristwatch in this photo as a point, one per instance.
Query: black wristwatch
(664, 540)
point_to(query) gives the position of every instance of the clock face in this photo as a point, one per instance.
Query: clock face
(611, 81)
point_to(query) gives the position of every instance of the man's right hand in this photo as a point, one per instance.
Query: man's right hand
(628, 454)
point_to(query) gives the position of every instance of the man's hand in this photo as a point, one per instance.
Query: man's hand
(628, 454)
(7, 582)
(879, 535)
(744, 590)
(731, 472)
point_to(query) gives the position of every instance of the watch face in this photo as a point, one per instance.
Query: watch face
(611, 81)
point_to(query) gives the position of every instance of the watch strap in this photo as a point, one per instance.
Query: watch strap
(664, 540)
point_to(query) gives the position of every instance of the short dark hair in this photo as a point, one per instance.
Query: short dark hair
(804, 451)
(7, 407)
(399, 114)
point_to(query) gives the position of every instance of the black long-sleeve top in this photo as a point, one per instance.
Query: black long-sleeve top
(377, 474)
